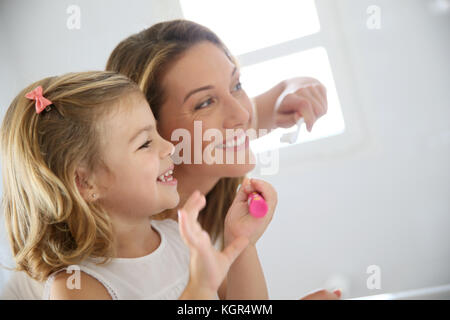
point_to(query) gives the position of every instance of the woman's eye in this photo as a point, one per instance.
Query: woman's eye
(145, 145)
(238, 86)
(204, 104)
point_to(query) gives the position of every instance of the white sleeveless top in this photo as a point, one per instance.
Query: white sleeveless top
(163, 274)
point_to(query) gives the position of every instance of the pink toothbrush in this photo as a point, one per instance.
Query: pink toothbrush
(257, 206)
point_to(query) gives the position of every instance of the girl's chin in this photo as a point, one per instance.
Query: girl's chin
(169, 195)
(171, 203)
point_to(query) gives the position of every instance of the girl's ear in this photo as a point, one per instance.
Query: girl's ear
(87, 190)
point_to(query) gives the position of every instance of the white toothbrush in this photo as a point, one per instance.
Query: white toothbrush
(291, 137)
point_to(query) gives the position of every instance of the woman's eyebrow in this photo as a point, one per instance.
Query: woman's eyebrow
(205, 87)
(195, 91)
(234, 71)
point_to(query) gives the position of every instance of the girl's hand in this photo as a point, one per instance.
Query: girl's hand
(302, 98)
(239, 222)
(208, 267)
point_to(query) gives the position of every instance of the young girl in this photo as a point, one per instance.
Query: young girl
(84, 171)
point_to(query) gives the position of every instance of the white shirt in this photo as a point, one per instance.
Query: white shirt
(163, 274)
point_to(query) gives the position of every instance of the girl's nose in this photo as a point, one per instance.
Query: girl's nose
(167, 148)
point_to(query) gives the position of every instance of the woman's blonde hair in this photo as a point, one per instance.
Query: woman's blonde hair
(145, 57)
(49, 223)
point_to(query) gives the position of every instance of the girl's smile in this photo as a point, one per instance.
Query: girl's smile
(166, 177)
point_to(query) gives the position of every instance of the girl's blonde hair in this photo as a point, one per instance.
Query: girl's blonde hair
(145, 57)
(49, 224)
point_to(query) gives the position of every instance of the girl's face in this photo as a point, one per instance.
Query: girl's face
(203, 85)
(136, 157)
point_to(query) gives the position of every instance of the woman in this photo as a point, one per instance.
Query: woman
(188, 75)
(171, 60)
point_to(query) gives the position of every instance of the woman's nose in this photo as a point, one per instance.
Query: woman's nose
(235, 114)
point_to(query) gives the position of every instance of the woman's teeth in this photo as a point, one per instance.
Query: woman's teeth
(166, 177)
(234, 142)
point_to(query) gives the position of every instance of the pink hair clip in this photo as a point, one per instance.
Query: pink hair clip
(41, 102)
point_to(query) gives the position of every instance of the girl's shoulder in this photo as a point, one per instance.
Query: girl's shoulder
(77, 282)
(65, 287)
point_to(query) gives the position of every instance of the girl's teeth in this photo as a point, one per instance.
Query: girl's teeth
(166, 176)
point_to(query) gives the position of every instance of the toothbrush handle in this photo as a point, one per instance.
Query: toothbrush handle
(257, 206)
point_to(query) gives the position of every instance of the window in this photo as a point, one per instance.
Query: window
(273, 41)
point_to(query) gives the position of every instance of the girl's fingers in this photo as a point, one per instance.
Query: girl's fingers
(203, 244)
(191, 232)
(185, 230)
(194, 204)
(233, 250)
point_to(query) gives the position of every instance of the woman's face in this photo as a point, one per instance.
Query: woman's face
(203, 85)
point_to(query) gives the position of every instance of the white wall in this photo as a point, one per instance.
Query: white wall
(383, 201)
(386, 200)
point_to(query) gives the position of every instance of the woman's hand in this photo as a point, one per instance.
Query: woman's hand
(208, 267)
(302, 97)
(323, 295)
(239, 222)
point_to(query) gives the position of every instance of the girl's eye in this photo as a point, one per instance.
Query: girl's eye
(238, 86)
(145, 145)
(204, 104)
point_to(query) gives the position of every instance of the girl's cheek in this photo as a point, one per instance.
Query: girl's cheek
(152, 165)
